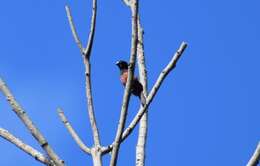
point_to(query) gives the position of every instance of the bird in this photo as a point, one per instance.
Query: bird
(136, 86)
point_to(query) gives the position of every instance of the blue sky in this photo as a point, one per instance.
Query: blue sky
(206, 113)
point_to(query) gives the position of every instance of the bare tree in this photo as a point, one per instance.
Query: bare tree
(97, 150)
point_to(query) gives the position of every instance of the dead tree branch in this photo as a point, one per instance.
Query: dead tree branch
(96, 150)
(73, 133)
(90, 104)
(24, 147)
(142, 135)
(91, 35)
(171, 65)
(254, 160)
(86, 55)
(124, 108)
(29, 124)
(73, 30)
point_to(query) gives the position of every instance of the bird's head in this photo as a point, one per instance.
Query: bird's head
(123, 65)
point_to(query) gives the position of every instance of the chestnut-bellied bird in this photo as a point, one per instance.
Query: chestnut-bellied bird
(136, 86)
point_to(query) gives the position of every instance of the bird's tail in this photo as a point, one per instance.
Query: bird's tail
(142, 99)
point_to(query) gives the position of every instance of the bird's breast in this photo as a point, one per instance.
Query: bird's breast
(123, 78)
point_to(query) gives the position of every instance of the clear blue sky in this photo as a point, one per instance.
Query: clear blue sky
(206, 113)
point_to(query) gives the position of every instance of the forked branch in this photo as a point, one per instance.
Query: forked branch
(86, 55)
(171, 65)
(86, 52)
(29, 124)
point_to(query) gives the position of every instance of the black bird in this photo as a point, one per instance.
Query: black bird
(136, 86)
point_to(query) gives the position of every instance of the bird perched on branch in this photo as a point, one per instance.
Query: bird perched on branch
(136, 86)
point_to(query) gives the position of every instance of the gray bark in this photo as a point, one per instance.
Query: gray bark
(24, 147)
(20, 112)
(143, 128)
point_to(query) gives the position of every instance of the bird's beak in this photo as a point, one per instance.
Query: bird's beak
(117, 63)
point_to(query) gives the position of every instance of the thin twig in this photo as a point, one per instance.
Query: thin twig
(142, 135)
(254, 160)
(72, 132)
(73, 29)
(124, 108)
(24, 147)
(92, 30)
(29, 124)
(171, 65)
